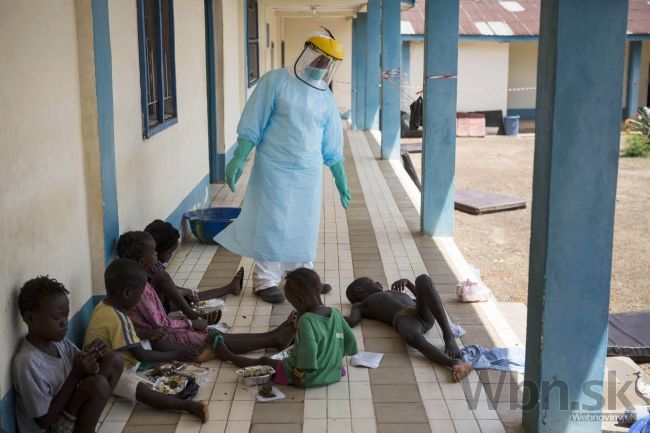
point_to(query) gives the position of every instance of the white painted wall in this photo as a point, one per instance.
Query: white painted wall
(482, 75)
(298, 30)
(154, 175)
(522, 73)
(233, 82)
(43, 218)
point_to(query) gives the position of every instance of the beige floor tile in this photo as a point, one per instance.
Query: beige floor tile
(238, 427)
(436, 409)
(430, 391)
(404, 427)
(360, 390)
(241, 410)
(442, 426)
(338, 391)
(361, 409)
(364, 426)
(459, 409)
(452, 391)
(424, 374)
(491, 426)
(112, 427)
(243, 393)
(338, 408)
(358, 374)
(189, 427)
(145, 415)
(395, 393)
(166, 428)
(315, 409)
(339, 426)
(121, 411)
(314, 426)
(390, 376)
(219, 410)
(466, 426)
(316, 393)
(213, 427)
(278, 413)
(224, 391)
(400, 413)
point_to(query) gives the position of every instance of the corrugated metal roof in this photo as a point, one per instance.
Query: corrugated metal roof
(516, 18)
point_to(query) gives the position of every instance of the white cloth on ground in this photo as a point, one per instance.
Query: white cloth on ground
(504, 359)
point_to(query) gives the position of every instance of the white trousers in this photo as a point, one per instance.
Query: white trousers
(269, 274)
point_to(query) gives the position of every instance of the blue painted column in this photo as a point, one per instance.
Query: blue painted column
(373, 69)
(360, 60)
(104, 86)
(390, 85)
(574, 191)
(633, 74)
(355, 74)
(439, 134)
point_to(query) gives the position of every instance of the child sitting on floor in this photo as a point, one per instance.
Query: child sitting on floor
(58, 388)
(125, 281)
(166, 239)
(148, 315)
(410, 318)
(322, 340)
(150, 319)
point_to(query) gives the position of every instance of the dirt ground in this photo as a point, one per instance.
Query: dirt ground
(498, 244)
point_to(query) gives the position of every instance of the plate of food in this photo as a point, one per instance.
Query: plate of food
(256, 375)
(171, 385)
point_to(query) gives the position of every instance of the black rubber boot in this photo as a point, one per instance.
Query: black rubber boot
(272, 295)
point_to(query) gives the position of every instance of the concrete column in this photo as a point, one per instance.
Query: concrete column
(406, 62)
(355, 71)
(579, 89)
(390, 84)
(439, 135)
(633, 74)
(373, 70)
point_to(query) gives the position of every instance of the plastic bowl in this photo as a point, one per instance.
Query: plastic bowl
(207, 223)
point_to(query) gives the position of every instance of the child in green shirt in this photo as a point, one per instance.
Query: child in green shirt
(322, 339)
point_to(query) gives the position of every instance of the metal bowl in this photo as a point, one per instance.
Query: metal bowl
(263, 374)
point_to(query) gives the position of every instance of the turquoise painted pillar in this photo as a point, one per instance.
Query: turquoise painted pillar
(574, 190)
(373, 70)
(633, 74)
(390, 83)
(439, 134)
(361, 70)
(355, 73)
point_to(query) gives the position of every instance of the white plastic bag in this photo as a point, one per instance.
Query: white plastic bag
(472, 291)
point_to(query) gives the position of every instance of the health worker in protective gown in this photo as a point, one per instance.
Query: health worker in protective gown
(292, 121)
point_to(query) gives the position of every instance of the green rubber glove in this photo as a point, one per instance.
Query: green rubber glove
(235, 167)
(341, 181)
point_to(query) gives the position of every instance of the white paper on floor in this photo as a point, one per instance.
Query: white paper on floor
(366, 359)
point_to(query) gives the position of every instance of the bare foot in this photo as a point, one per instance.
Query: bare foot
(206, 355)
(452, 350)
(460, 371)
(199, 410)
(284, 334)
(238, 282)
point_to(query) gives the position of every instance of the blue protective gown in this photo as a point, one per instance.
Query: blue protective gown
(295, 129)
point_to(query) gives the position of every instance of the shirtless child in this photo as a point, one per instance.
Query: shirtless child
(410, 318)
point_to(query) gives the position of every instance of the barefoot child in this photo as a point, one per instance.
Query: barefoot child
(58, 388)
(322, 340)
(125, 281)
(166, 240)
(411, 319)
(148, 315)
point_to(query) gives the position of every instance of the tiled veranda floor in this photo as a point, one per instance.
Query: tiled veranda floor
(377, 237)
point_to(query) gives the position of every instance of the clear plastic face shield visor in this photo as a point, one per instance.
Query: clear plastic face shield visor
(315, 68)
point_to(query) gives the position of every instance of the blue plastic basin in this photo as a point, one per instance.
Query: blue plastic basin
(207, 223)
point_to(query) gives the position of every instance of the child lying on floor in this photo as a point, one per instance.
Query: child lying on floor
(125, 281)
(322, 340)
(58, 388)
(411, 319)
(174, 297)
(150, 319)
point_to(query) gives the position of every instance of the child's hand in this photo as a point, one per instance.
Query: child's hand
(188, 355)
(85, 364)
(199, 324)
(400, 285)
(98, 347)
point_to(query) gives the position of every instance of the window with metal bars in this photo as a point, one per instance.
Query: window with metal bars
(157, 65)
(253, 43)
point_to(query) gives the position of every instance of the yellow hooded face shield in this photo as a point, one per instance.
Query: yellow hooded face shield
(318, 62)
